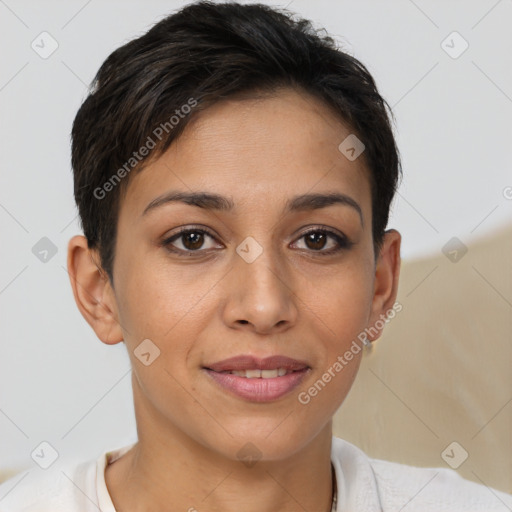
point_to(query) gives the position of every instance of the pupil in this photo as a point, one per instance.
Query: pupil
(195, 244)
(316, 236)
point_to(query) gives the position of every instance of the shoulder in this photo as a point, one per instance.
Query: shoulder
(412, 488)
(69, 487)
(436, 489)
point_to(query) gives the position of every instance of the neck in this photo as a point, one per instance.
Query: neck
(167, 470)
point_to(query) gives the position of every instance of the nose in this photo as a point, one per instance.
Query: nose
(259, 293)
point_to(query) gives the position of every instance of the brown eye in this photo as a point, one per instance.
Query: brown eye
(191, 239)
(317, 239)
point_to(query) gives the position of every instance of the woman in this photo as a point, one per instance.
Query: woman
(233, 174)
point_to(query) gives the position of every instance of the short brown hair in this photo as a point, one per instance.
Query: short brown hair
(203, 53)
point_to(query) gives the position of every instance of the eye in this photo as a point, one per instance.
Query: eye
(191, 240)
(316, 239)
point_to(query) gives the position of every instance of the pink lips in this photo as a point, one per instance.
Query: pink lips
(258, 389)
(247, 362)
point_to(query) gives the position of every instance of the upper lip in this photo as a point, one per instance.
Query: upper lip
(248, 362)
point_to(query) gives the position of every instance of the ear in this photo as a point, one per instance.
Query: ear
(387, 272)
(93, 292)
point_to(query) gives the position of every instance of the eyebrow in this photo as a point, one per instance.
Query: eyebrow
(212, 201)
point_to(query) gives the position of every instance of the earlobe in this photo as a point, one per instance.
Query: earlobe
(387, 273)
(92, 291)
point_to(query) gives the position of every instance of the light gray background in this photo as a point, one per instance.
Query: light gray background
(58, 382)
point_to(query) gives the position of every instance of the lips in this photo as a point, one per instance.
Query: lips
(247, 362)
(258, 380)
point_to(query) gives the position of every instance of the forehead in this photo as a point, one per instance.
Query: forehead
(255, 149)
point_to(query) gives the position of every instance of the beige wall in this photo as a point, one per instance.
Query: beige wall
(441, 372)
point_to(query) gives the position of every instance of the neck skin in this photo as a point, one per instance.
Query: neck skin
(169, 471)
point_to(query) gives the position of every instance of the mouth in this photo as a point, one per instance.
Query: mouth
(259, 374)
(258, 380)
(252, 364)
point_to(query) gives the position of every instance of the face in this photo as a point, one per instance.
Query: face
(261, 276)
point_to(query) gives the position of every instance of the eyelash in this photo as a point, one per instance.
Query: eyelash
(343, 242)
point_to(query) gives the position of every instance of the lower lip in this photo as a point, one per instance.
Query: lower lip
(258, 389)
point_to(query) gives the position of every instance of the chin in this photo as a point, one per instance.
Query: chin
(265, 440)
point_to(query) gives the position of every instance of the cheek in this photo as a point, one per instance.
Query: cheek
(154, 299)
(341, 300)
(172, 309)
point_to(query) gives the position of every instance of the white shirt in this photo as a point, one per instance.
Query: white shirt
(363, 485)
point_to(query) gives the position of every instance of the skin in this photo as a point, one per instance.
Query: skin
(213, 305)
